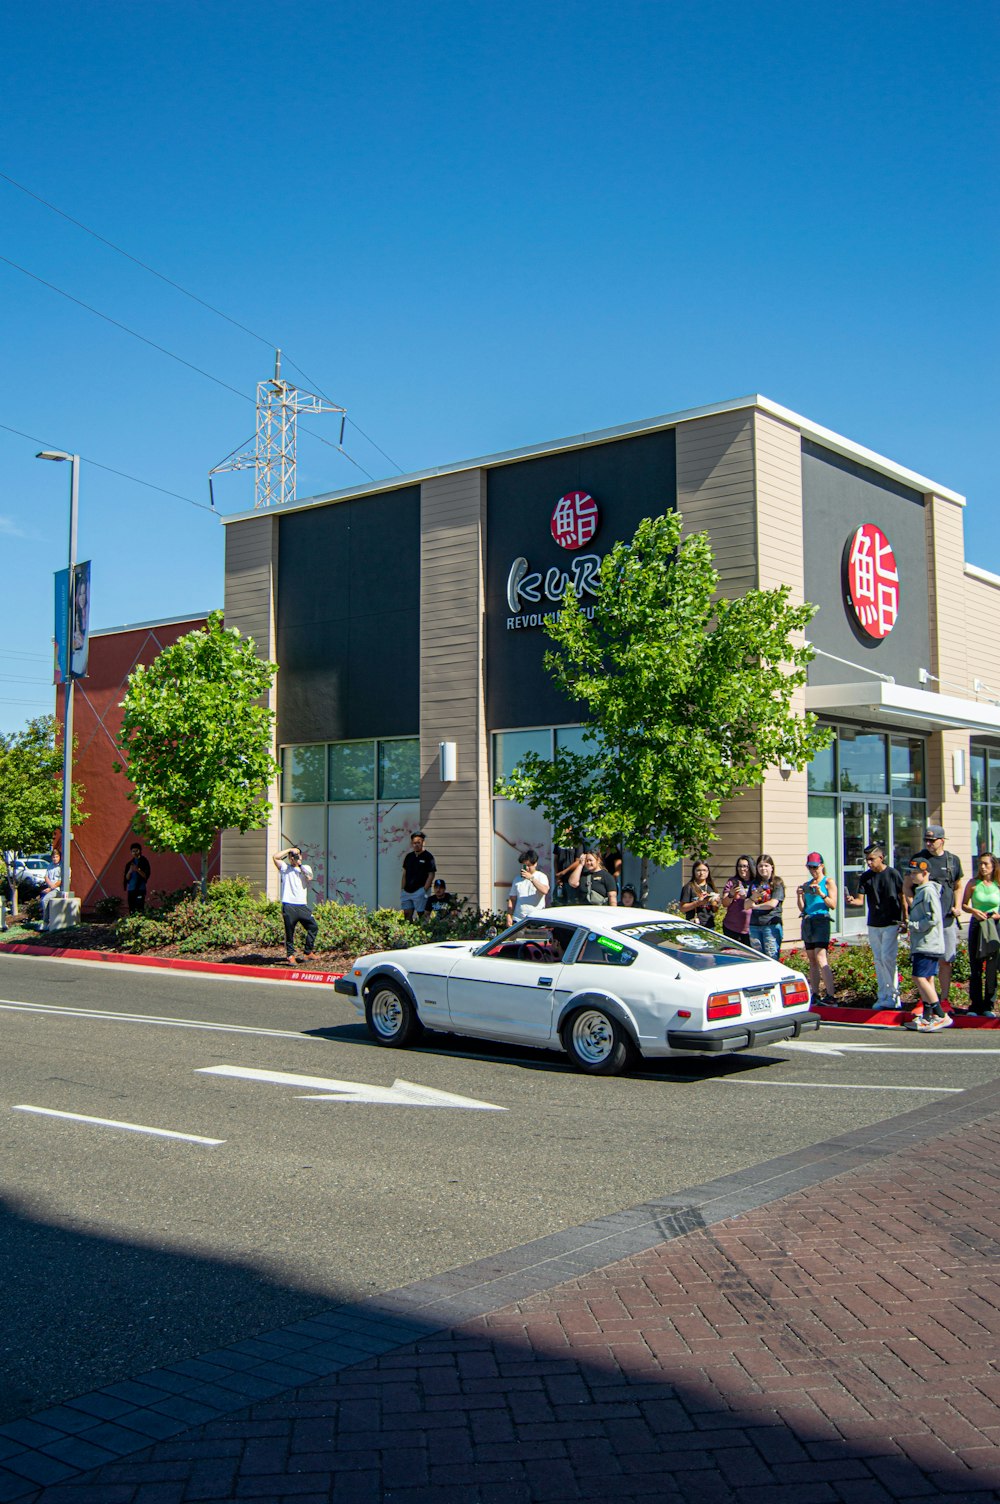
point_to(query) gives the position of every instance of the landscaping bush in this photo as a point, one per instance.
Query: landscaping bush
(108, 909)
(853, 968)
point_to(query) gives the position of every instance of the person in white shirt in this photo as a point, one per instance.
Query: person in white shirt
(296, 875)
(529, 891)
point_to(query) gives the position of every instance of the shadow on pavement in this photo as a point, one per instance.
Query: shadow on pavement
(672, 1375)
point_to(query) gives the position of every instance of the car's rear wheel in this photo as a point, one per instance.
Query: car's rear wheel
(597, 1043)
(391, 1017)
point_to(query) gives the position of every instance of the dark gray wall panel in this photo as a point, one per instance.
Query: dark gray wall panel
(348, 619)
(629, 479)
(839, 495)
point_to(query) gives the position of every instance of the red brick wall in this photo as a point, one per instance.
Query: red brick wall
(100, 847)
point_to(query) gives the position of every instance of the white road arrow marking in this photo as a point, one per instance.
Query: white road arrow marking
(399, 1094)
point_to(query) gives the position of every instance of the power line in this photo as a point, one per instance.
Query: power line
(150, 485)
(16, 679)
(244, 328)
(14, 653)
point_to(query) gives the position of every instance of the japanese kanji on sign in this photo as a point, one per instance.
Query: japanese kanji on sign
(575, 519)
(871, 581)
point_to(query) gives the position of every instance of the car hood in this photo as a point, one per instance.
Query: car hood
(437, 956)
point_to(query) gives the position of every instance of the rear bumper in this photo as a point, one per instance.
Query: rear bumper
(742, 1036)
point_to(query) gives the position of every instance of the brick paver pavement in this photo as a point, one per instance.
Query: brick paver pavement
(840, 1343)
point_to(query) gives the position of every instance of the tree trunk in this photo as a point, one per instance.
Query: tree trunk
(204, 876)
(10, 860)
(644, 881)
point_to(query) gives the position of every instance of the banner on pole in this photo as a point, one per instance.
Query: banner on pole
(79, 647)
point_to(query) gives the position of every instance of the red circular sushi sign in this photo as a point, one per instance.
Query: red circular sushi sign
(871, 581)
(575, 519)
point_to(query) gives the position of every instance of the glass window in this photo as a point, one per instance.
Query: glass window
(862, 763)
(977, 774)
(602, 950)
(303, 774)
(980, 829)
(532, 941)
(907, 767)
(510, 746)
(399, 769)
(570, 739)
(909, 820)
(820, 771)
(993, 794)
(394, 824)
(352, 771)
(351, 844)
(692, 946)
(822, 828)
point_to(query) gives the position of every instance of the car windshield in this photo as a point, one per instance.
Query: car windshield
(691, 945)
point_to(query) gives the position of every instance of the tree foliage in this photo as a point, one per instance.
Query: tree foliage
(31, 789)
(196, 741)
(687, 698)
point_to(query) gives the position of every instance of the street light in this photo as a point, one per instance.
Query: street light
(74, 497)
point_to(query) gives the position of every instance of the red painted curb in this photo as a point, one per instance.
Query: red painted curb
(883, 1019)
(175, 963)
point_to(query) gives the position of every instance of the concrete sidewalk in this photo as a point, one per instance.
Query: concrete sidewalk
(825, 1326)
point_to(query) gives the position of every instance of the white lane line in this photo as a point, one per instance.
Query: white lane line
(809, 1048)
(8, 1005)
(79, 1117)
(837, 1085)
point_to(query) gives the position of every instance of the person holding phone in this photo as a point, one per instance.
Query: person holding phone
(737, 902)
(699, 899)
(817, 900)
(296, 875)
(529, 891)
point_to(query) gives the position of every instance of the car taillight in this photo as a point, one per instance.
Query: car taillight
(795, 994)
(724, 1005)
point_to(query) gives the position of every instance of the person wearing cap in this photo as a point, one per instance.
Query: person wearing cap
(441, 901)
(882, 888)
(925, 923)
(817, 900)
(945, 870)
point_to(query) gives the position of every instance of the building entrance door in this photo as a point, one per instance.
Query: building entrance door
(863, 822)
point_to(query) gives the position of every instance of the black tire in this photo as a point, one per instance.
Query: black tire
(597, 1043)
(390, 1015)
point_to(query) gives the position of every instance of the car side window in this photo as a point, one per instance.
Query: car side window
(601, 950)
(534, 941)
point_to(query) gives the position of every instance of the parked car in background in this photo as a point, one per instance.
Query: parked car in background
(29, 873)
(609, 987)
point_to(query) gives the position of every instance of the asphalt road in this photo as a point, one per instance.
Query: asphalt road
(123, 1250)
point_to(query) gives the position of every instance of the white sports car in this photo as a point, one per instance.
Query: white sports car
(606, 985)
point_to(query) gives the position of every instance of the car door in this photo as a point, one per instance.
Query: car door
(508, 991)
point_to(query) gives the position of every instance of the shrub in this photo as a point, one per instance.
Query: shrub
(853, 968)
(108, 908)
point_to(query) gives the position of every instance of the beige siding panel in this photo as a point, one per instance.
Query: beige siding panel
(456, 816)
(982, 606)
(947, 586)
(251, 576)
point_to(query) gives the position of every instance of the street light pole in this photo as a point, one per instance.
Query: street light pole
(67, 798)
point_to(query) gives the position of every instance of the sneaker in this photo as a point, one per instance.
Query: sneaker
(945, 1022)
(917, 1023)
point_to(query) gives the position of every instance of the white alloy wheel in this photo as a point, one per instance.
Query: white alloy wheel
(597, 1043)
(391, 1017)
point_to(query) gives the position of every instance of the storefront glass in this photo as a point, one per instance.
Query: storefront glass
(865, 787)
(352, 806)
(984, 777)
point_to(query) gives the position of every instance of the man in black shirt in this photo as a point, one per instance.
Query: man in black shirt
(419, 868)
(882, 888)
(946, 870)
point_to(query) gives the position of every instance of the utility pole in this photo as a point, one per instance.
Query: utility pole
(273, 456)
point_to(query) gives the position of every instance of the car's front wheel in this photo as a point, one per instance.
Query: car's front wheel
(597, 1043)
(391, 1017)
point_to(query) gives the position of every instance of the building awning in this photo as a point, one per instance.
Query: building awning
(899, 706)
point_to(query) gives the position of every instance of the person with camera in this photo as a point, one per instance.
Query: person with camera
(817, 901)
(737, 901)
(529, 891)
(296, 875)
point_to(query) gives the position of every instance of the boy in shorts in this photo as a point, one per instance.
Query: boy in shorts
(926, 927)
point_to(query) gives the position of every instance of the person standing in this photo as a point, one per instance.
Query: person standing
(817, 900)
(926, 926)
(529, 891)
(881, 887)
(419, 868)
(296, 875)
(736, 901)
(766, 898)
(591, 883)
(945, 870)
(135, 880)
(699, 900)
(981, 899)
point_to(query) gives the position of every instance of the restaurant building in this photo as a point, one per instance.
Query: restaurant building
(406, 617)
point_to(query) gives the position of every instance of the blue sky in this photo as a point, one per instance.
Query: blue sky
(477, 227)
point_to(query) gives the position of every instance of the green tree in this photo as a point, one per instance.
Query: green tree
(196, 741)
(686, 698)
(31, 791)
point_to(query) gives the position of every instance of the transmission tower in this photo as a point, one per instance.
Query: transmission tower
(272, 457)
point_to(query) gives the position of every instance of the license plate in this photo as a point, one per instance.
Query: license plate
(760, 1004)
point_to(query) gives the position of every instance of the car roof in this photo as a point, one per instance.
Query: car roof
(600, 917)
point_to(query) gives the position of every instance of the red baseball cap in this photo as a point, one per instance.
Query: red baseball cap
(814, 859)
